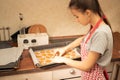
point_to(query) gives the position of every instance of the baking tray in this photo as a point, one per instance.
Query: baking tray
(37, 53)
(10, 58)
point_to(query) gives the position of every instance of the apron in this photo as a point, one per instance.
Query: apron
(97, 72)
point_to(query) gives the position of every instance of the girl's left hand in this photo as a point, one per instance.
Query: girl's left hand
(58, 59)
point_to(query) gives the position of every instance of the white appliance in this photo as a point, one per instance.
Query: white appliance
(29, 40)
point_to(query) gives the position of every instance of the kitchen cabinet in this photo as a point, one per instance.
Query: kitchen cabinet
(67, 74)
(29, 76)
(61, 74)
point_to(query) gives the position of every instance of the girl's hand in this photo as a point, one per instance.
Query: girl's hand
(58, 59)
(59, 51)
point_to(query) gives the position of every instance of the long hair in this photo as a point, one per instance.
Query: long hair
(93, 5)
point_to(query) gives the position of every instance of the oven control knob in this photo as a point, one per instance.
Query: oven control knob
(72, 71)
(33, 41)
(25, 41)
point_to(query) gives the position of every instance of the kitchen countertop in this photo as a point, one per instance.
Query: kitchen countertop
(27, 66)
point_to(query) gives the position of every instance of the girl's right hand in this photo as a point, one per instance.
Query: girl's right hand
(59, 51)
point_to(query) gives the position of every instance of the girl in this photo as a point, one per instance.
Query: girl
(96, 45)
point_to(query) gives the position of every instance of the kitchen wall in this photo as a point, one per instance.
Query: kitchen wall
(54, 14)
(112, 11)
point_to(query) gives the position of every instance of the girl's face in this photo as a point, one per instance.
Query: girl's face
(82, 18)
